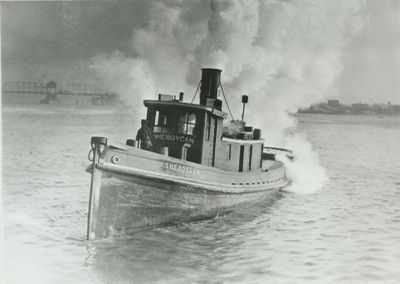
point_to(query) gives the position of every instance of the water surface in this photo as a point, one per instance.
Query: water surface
(347, 232)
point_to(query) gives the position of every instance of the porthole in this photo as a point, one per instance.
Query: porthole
(115, 159)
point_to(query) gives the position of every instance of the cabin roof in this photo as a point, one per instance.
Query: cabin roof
(182, 105)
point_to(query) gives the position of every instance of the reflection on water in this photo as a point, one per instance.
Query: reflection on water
(346, 232)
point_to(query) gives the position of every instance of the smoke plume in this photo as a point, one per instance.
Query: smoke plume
(283, 54)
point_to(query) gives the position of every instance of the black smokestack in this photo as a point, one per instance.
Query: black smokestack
(210, 82)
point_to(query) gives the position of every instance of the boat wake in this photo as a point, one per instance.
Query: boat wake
(306, 173)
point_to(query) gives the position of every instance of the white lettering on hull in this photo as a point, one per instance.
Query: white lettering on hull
(180, 168)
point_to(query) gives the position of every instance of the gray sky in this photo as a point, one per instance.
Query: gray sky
(372, 60)
(44, 41)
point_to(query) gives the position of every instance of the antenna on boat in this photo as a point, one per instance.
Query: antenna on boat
(245, 100)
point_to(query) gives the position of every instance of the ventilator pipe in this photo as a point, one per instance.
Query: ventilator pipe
(245, 100)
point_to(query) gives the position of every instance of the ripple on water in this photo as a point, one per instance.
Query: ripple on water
(347, 232)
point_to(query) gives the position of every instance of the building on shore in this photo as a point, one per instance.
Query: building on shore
(334, 107)
(333, 103)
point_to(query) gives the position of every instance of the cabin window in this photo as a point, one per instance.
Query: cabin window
(261, 160)
(250, 156)
(229, 151)
(208, 128)
(187, 123)
(241, 156)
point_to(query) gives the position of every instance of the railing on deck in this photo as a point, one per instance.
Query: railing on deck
(269, 153)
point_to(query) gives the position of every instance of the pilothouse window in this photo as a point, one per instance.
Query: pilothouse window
(161, 118)
(156, 117)
(187, 123)
(160, 124)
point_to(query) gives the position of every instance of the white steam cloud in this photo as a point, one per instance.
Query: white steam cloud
(284, 54)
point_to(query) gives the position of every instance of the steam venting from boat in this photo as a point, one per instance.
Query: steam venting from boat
(283, 54)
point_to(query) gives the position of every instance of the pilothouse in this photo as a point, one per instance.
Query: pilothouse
(194, 132)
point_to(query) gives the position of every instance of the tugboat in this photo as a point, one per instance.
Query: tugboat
(195, 167)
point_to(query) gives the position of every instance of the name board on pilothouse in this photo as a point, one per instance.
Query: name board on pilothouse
(178, 138)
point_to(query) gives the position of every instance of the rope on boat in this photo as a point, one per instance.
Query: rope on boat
(90, 155)
(97, 144)
(223, 93)
(195, 93)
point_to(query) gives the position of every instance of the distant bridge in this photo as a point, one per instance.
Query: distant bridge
(51, 91)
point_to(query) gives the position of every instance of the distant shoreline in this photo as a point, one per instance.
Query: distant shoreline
(354, 109)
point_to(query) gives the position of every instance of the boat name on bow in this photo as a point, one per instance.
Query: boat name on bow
(180, 168)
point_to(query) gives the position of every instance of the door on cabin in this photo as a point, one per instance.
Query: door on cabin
(209, 139)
